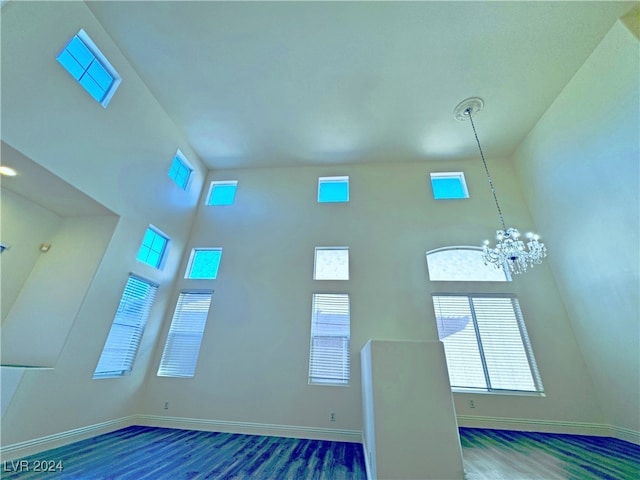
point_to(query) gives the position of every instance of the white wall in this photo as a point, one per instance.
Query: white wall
(49, 118)
(253, 362)
(25, 225)
(579, 166)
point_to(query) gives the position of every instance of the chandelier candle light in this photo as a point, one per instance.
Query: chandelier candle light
(510, 252)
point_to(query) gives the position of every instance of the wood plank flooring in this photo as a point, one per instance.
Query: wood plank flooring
(147, 453)
(508, 455)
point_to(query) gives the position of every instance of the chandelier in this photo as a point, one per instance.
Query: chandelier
(510, 251)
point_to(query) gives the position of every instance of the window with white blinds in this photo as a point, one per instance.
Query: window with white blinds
(329, 361)
(181, 351)
(486, 343)
(121, 346)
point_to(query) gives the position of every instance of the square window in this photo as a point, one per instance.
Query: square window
(180, 170)
(222, 193)
(204, 263)
(86, 63)
(153, 248)
(449, 186)
(331, 263)
(333, 189)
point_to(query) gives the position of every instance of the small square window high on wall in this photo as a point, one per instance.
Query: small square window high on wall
(180, 170)
(222, 193)
(449, 186)
(333, 189)
(153, 248)
(86, 63)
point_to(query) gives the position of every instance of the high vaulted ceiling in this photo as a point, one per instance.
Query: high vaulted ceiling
(257, 84)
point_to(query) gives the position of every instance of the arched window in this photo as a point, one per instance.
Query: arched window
(462, 264)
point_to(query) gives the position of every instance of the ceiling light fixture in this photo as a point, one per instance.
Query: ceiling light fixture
(8, 171)
(510, 252)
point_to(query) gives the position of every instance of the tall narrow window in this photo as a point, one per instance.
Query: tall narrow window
(180, 170)
(86, 63)
(486, 343)
(330, 359)
(222, 193)
(180, 354)
(153, 247)
(333, 189)
(121, 346)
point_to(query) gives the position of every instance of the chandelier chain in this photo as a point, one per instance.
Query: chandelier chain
(486, 169)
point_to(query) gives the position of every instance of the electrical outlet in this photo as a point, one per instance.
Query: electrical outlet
(471, 404)
(333, 416)
(166, 406)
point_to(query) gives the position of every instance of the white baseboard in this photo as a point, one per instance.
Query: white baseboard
(31, 447)
(250, 428)
(549, 426)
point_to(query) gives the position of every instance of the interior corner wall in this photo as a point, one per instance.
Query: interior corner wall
(580, 170)
(59, 126)
(25, 225)
(253, 363)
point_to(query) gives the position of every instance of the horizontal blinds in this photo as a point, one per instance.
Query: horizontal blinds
(486, 343)
(181, 350)
(505, 355)
(330, 333)
(123, 340)
(458, 334)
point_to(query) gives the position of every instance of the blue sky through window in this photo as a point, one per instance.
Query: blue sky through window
(449, 186)
(180, 172)
(205, 263)
(153, 248)
(333, 189)
(222, 193)
(78, 59)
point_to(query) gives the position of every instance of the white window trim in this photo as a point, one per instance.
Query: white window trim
(336, 179)
(215, 183)
(187, 164)
(105, 63)
(165, 253)
(526, 343)
(192, 257)
(455, 175)
(315, 264)
(505, 268)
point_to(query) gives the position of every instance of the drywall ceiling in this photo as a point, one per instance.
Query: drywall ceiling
(42, 187)
(259, 84)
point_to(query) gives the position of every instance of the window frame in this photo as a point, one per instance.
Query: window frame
(175, 363)
(192, 258)
(184, 163)
(315, 263)
(333, 179)
(221, 183)
(523, 336)
(102, 60)
(165, 249)
(490, 268)
(342, 360)
(449, 175)
(129, 351)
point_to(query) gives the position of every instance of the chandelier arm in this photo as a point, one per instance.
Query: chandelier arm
(486, 169)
